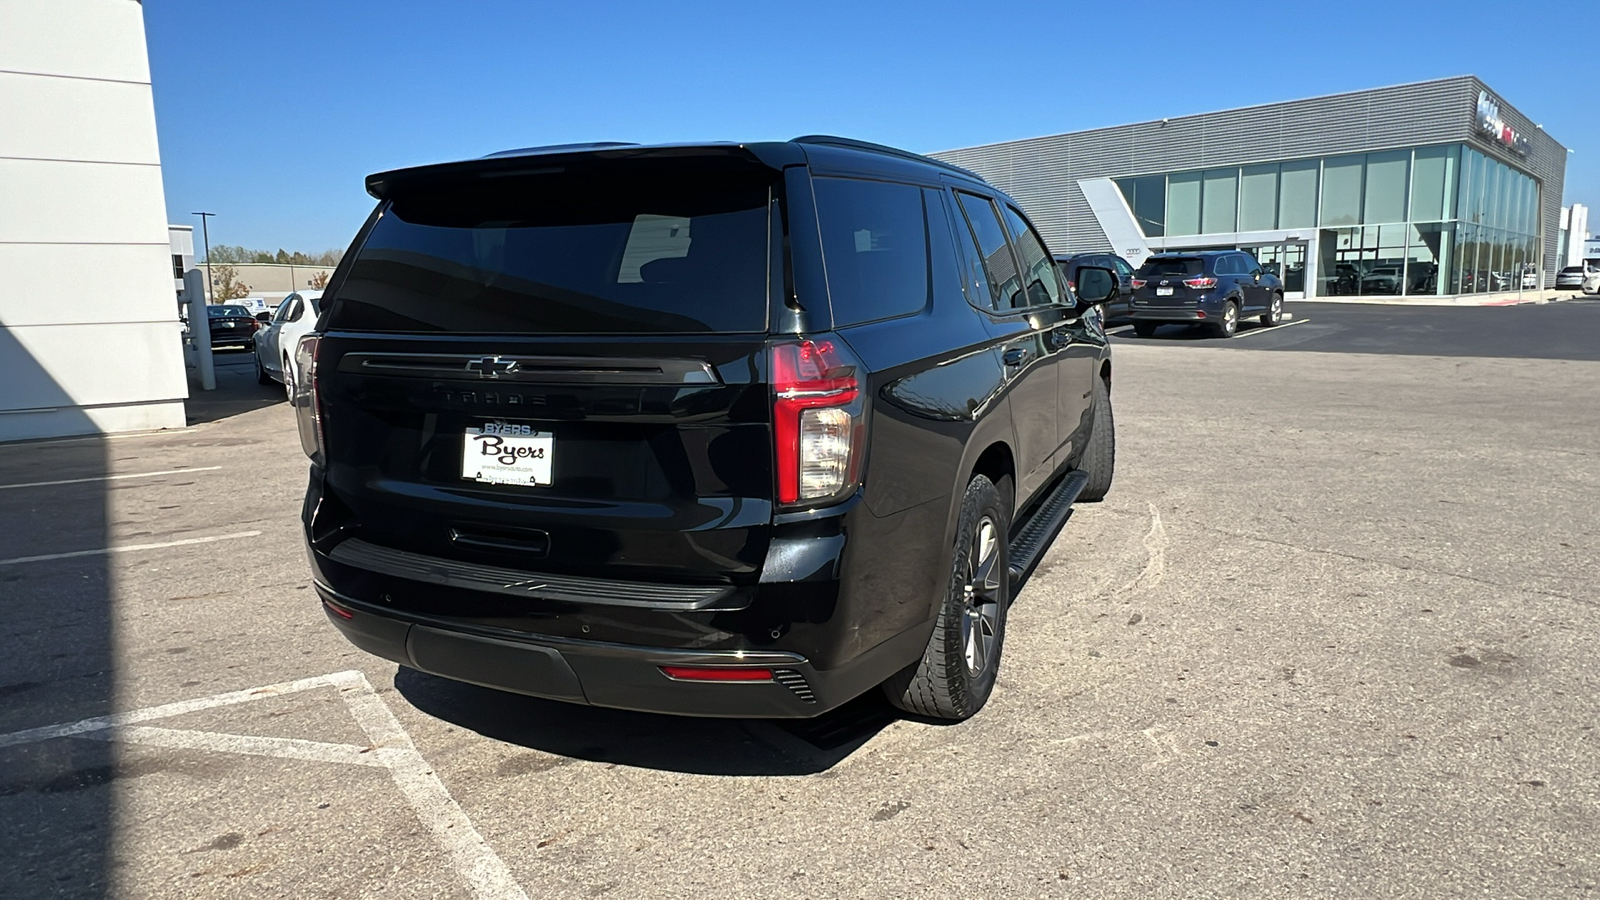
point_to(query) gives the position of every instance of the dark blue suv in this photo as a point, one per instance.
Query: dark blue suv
(1214, 288)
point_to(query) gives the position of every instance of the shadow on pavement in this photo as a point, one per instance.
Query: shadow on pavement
(648, 741)
(56, 649)
(237, 390)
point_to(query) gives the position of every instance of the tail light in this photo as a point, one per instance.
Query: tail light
(1200, 284)
(307, 404)
(1138, 283)
(817, 420)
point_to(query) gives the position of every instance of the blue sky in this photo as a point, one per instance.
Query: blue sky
(271, 113)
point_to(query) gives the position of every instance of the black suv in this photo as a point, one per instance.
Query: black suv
(1214, 288)
(732, 430)
(1117, 306)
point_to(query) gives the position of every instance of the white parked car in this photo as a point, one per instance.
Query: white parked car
(275, 343)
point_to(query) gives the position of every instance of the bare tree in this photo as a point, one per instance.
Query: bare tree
(319, 280)
(225, 285)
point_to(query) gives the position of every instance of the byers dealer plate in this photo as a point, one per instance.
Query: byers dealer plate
(502, 453)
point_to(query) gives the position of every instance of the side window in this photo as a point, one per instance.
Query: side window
(944, 263)
(1225, 265)
(281, 314)
(1039, 273)
(875, 248)
(994, 253)
(1121, 265)
(1251, 267)
(296, 310)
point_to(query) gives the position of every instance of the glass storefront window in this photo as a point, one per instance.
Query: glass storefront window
(1341, 190)
(1427, 255)
(1147, 200)
(1258, 198)
(1183, 203)
(1219, 206)
(1297, 194)
(1387, 174)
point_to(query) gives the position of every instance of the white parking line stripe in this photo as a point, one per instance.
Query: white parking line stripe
(182, 707)
(1267, 329)
(128, 548)
(249, 745)
(33, 484)
(475, 859)
(478, 864)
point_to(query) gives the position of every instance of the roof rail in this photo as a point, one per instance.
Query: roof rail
(829, 140)
(560, 148)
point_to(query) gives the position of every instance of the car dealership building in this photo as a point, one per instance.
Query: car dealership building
(1427, 190)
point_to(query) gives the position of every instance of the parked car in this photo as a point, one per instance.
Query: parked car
(1382, 280)
(1213, 288)
(231, 325)
(1578, 278)
(274, 350)
(1116, 307)
(732, 430)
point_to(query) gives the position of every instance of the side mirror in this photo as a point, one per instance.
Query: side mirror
(1096, 285)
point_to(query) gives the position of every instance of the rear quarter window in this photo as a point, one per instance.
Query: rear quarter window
(874, 247)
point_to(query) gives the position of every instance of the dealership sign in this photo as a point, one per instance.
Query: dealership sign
(1496, 129)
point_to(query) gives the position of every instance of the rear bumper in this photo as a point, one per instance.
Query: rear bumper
(1168, 314)
(596, 673)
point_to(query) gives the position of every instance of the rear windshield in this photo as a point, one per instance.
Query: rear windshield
(1173, 265)
(565, 254)
(223, 312)
(1572, 270)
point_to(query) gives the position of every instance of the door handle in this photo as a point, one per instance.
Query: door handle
(1016, 356)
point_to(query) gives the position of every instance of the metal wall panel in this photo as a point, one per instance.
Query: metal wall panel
(1042, 173)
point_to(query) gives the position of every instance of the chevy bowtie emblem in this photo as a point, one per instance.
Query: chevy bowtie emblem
(492, 366)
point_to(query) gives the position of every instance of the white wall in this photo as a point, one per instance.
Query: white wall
(89, 337)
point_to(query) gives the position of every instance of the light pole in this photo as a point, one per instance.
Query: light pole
(205, 235)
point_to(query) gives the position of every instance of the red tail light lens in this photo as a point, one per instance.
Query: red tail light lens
(716, 673)
(816, 420)
(305, 400)
(1138, 283)
(1200, 284)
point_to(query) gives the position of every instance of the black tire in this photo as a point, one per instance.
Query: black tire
(1228, 325)
(1100, 457)
(1145, 329)
(956, 674)
(261, 373)
(1274, 314)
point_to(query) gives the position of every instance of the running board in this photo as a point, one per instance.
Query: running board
(1034, 537)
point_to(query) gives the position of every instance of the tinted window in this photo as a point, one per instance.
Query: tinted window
(295, 311)
(619, 251)
(999, 266)
(1229, 265)
(1121, 265)
(227, 312)
(1250, 266)
(945, 264)
(1039, 271)
(1173, 265)
(875, 247)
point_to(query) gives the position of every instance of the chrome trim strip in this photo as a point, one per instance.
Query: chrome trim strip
(533, 369)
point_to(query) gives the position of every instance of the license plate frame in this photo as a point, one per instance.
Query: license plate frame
(508, 453)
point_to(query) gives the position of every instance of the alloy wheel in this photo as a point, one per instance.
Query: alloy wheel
(288, 380)
(980, 616)
(1230, 319)
(1277, 309)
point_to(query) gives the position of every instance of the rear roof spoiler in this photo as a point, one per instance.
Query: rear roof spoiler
(540, 160)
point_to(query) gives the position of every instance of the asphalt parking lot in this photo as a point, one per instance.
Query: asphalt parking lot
(1332, 634)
